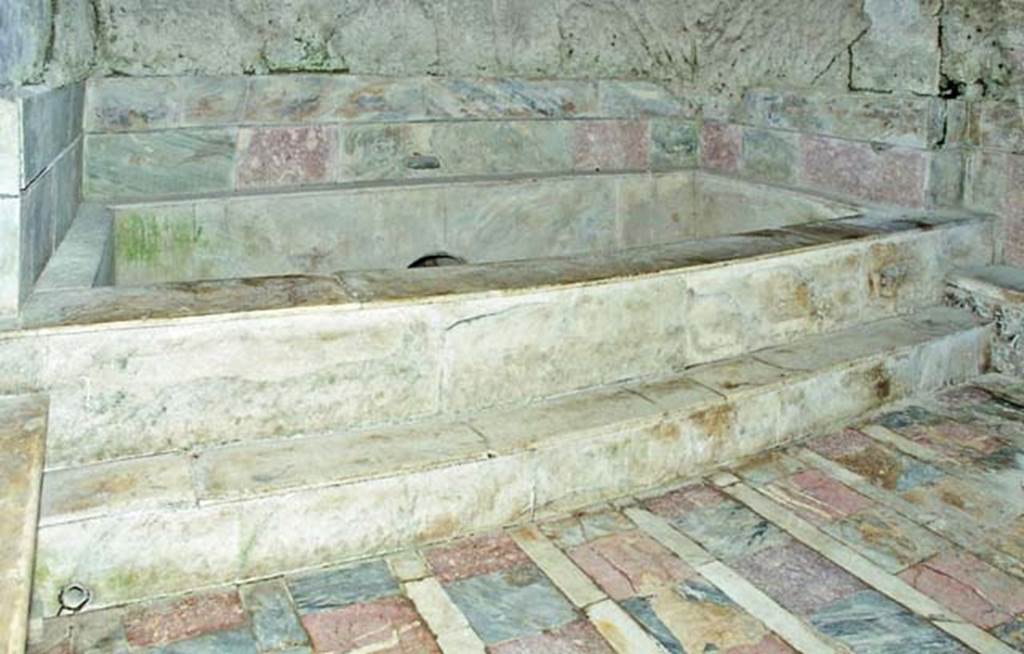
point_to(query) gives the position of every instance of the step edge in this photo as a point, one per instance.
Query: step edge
(658, 414)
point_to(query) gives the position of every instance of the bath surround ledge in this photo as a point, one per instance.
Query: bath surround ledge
(80, 305)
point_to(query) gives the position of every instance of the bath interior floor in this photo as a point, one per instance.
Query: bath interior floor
(901, 533)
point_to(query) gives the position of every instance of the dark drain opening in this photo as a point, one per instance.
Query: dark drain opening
(73, 598)
(437, 260)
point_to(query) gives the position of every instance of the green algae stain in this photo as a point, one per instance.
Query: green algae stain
(154, 246)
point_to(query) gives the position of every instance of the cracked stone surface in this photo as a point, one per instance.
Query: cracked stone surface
(711, 47)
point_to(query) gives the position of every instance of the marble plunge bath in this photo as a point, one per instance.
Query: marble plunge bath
(391, 226)
(304, 404)
(239, 271)
(236, 377)
(149, 341)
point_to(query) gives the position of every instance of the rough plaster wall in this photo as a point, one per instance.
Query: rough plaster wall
(716, 45)
(983, 48)
(900, 51)
(714, 48)
(24, 35)
(46, 41)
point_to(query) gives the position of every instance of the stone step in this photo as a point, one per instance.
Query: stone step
(22, 442)
(156, 525)
(994, 293)
(147, 371)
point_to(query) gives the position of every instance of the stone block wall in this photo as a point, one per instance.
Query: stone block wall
(995, 170)
(886, 149)
(907, 102)
(40, 181)
(188, 136)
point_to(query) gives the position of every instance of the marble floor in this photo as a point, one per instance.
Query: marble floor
(901, 534)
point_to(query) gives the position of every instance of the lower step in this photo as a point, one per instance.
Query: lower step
(143, 527)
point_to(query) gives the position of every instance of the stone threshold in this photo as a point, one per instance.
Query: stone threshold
(172, 522)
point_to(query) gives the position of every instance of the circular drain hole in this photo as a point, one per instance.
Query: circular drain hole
(437, 260)
(73, 598)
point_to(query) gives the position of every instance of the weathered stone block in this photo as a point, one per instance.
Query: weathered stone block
(602, 39)
(725, 206)
(770, 155)
(986, 180)
(39, 226)
(879, 174)
(660, 208)
(894, 119)
(999, 126)
(636, 99)
(976, 46)
(387, 37)
(316, 369)
(176, 162)
(460, 50)
(509, 98)
(781, 301)
(128, 104)
(11, 153)
(148, 483)
(463, 148)
(945, 186)
(510, 350)
(721, 147)
(502, 221)
(51, 121)
(142, 103)
(994, 293)
(68, 179)
(178, 39)
(285, 156)
(355, 98)
(286, 99)
(800, 43)
(527, 37)
(10, 257)
(246, 236)
(263, 468)
(674, 144)
(408, 224)
(900, 52)
(1014, 209)
(611, 145)
(381, 151)
(155, 244)
(503, 147)
(211, 100)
